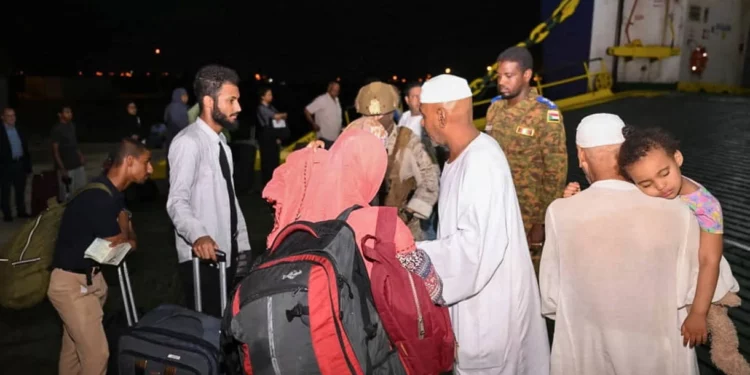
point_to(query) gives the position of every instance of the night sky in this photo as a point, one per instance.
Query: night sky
(294, 41)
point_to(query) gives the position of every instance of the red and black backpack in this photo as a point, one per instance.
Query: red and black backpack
(307, 307)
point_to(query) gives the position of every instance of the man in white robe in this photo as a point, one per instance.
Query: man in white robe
(615, 269)
(481, 252)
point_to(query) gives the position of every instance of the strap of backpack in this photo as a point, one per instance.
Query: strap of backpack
(345, 215)
(90, 186)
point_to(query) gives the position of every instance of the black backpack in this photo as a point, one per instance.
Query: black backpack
(306, 308)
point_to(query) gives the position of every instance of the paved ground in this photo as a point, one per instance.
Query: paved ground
(715, 131)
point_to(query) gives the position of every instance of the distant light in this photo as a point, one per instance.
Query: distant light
(338, 79)
(21, 72)
(122, 74)
(420, 80)
(257, 77)
(429, 76)
(157, 51)
(489, 68)
(166, 74)
(99, 74)
(283, 83)
(705, 54)
(694, 68)
(395, 78)
(148, 74)
(447, 70)
(80, 73)
(270, 80)
(111, 74)
(403, 80)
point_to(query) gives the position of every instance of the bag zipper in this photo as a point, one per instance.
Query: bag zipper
(420, 318)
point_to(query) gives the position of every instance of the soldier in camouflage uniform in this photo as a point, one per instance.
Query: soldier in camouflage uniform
(529, 129)
(412, 180)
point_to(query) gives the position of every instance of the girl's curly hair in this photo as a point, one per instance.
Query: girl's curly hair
(639, 142)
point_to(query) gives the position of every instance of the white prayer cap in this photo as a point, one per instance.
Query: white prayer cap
(600, 129)
(445, 88)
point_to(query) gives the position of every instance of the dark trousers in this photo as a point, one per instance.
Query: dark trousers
(12, 176)
(209, 286)
(269, 153)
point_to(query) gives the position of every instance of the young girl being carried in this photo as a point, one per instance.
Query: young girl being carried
(651, 159)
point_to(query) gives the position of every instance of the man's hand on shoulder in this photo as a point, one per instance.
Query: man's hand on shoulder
(572, 189)
(205, 248)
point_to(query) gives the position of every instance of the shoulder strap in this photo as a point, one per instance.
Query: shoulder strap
(90, 186)
(345, 215)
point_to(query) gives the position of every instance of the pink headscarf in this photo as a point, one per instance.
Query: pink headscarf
(316, 185)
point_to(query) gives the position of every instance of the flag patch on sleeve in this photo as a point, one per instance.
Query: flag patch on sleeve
(553, 115)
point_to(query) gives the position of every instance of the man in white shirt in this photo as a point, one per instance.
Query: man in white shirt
(481, 252)
(412, 118)
(324, 114)
(615, 272)
(202, 203)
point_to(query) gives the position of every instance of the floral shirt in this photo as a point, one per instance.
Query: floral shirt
(706, 209)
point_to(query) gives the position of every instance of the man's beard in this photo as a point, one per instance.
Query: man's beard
(509, 96)
(223, 119)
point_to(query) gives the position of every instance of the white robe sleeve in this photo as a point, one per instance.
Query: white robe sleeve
(467, 258)
(549, 268)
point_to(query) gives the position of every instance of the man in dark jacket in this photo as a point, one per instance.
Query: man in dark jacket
(15, 165)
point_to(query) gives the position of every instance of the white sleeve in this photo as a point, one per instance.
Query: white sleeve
(183, 165)
(467, 258)
(549, 268)
(314, 106)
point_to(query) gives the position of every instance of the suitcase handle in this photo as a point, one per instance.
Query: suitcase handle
(127, 293)
(221, 259)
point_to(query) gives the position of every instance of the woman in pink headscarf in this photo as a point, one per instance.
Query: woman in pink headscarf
(316, 185)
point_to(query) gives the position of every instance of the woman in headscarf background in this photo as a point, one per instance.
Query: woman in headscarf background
(316, 184)
(176, 114)
(271, 131)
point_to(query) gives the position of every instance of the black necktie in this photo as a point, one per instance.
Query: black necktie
(232, 204)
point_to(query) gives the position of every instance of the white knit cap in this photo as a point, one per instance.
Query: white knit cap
(600, 129)
(445, 88)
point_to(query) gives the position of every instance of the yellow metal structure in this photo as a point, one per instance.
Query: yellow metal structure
(638, 50)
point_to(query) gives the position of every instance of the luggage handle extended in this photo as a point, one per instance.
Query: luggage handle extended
(221, 259)
(131, 314)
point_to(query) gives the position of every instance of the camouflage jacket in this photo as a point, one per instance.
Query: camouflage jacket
(414, 162)
(532, 136)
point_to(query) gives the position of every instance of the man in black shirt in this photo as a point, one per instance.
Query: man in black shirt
(77, 289)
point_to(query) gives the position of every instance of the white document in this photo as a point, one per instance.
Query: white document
(100, 251)
(278, 124)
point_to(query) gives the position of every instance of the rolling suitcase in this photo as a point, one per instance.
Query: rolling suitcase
(171, 339)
